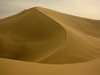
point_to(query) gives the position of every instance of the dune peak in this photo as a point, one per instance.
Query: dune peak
(46, 36)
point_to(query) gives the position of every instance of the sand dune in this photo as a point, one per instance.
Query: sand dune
(41, 35)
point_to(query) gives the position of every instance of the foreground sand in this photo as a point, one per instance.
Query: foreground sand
(13, 67)
(49, 37)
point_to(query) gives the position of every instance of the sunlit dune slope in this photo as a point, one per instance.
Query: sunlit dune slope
(47, 36)
(14, 67)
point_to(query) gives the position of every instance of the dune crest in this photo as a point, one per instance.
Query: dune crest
(47, 36)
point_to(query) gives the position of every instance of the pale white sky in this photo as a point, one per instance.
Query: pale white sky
(83, 8)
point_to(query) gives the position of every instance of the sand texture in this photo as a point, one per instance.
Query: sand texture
(42, 41)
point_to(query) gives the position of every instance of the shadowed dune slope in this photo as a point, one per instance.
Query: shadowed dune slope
(47, 36)
(30, 37)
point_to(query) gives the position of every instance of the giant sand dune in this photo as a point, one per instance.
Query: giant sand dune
(40, 37)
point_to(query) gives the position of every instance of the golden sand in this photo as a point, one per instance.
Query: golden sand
(63, 43)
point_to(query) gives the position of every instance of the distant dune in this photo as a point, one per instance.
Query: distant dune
(41, 35)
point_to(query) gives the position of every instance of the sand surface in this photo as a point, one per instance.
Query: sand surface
(13, 67)
(42, 41)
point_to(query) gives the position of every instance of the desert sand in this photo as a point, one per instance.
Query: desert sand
(41, 41)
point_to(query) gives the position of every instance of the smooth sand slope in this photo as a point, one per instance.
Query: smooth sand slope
(53, 43)
(47, 36)
(30, 36)
(13, 67)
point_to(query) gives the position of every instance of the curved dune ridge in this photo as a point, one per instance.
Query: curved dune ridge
(46, 36)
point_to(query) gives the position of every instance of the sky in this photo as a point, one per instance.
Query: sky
(83, 8)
